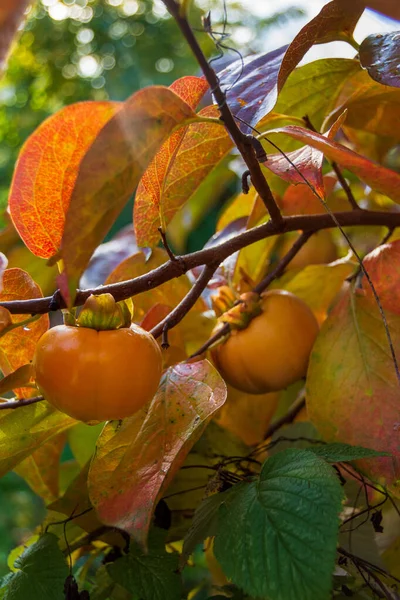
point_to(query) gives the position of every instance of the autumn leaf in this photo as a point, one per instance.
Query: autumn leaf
(117, 158)
(152, 185)
(156, 441)
(383, 267)
(11, 17)
(203, 146)
(41, 469)
(376, 176)
(17, 346)
(389, 8)
(46, 173)
(24, 430)
(18, 378)
(379, 54)
(352, 389)
(253, 85)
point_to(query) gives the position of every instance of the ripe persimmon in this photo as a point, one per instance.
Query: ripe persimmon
(272, 352)
(97, 375)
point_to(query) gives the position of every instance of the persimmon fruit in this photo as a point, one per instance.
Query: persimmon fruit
(272, 352)
(97, 375)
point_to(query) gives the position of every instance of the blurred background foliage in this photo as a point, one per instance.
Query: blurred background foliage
(76, 50)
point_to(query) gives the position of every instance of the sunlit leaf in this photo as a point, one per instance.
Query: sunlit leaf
(277, 535)
(317, 285)
(117, 157)
(41, 470)
(383, 267)
(82, 440)
(352, 389)
(379, 54)
(156, 440)
(152, 187)
(253, 89)
(46, 173)
(301, 200)
(371, 107)
(377, 177)
(17, 346)
(23, 430)
(11, 16)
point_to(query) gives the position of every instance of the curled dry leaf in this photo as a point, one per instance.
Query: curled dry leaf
(352, 388)
(137, 458)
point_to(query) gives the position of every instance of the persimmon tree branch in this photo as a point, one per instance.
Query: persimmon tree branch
(176, 315)
(19, 403)
(244, 143)
(213, 255)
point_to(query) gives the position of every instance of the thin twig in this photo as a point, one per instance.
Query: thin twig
(20, 403)
(176, 315)
(242, 141)
(283, 263)
(288, 417)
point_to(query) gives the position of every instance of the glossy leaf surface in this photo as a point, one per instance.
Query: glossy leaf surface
(156, 440)
(379, 54)
(352, 389)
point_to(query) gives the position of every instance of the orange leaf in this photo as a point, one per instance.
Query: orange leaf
(151, 187)
(199, 151)
(352, 389)
(11, 16)
(110, 172)
(383, 267)
(17, 346)
(301, 200)
(136, 460)
(377, 177)
(46, 172)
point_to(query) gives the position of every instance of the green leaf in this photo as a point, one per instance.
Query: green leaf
(151, 576)
(41, 573)
(337, 452)
(204, 523)
(277, 535)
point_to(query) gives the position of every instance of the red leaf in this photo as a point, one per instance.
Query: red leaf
(377, 177)
(110, 171)
(46, 172)
(136, 460)
(352, 389)
(304, 163)
(383, 267)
